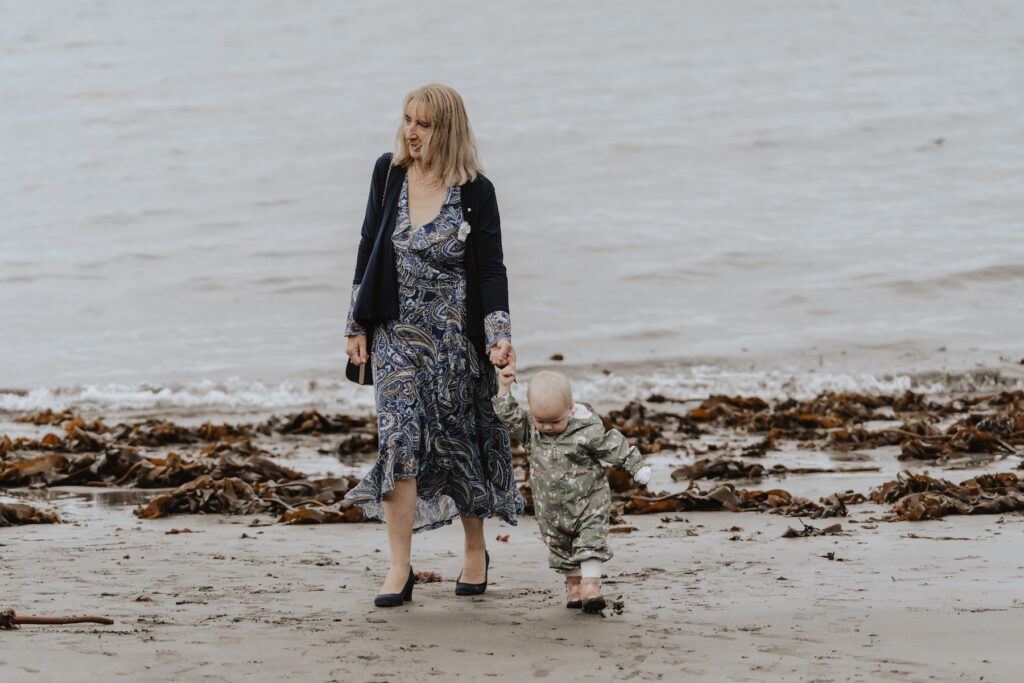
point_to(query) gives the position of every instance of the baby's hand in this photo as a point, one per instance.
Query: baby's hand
(506, 376)
(643, 475)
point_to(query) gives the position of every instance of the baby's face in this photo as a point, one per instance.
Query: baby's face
(550, 415)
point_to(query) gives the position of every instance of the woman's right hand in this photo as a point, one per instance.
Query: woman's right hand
(357, 351)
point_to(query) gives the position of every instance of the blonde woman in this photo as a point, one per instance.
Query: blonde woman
(429, 312)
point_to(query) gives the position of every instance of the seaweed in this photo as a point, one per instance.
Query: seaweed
(13, 514)
(728, 497)
(916, 497)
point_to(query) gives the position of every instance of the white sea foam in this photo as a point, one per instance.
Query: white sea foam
(609, 390)
(704, 381)
(233, 395)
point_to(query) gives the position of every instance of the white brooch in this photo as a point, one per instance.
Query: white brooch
(463, 231)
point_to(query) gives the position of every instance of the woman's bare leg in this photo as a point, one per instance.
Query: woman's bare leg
(399, 510)
(473, 567)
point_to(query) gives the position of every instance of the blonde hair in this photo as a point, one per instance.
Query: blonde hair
(547, 383)
(450, 150)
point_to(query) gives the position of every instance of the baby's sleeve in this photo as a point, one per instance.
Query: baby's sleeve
(514, 417)
(611, 447)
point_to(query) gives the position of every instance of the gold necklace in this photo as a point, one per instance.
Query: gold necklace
(416, 177)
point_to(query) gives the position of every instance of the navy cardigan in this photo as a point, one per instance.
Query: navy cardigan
(376, 272)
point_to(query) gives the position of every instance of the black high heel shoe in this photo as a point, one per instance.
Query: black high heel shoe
(396, 599)
(474, 588)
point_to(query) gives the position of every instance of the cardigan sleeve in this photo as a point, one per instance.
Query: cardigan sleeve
(490, 259)
(371, 217)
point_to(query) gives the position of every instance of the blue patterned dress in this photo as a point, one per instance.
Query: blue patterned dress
(433, 389)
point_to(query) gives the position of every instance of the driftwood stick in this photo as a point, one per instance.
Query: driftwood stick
(10, 620)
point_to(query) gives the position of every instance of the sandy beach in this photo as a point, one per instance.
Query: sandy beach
(714, 596)
(695, 595)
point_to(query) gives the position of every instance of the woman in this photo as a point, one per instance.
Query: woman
(429, 310)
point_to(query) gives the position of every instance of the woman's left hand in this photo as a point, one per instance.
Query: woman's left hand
(503, 354)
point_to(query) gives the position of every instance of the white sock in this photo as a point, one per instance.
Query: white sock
(591, 569)
(573, 572)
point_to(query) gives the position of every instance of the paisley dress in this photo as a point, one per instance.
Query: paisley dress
(433, 388)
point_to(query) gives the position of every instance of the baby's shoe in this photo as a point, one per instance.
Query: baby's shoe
(572, 590)
(590, 595)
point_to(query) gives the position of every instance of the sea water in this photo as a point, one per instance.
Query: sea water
(770, 198)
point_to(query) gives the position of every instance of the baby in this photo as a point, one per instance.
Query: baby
(564, 442)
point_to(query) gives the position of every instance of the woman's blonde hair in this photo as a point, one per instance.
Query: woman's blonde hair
(546, 384)
(450, 150)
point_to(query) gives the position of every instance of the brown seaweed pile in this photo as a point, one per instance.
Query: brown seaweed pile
(724, 468)
(916, 497)
(728, 497)
(223, 469)
(297, 501)
(12, 514)
(227, 473)
(991, 424)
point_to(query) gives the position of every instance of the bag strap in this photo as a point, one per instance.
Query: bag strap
(384, 194)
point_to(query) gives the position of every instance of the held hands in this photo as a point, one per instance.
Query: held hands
(506, 376)
(643, 475)
(502, 354)
(356, 349)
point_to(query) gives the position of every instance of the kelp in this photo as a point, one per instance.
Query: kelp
(230, 496)
(724, 468)
(980, 429)
(93, 454)
(728, 497)
(83, 436)
(315, 424)
(808, 531)
(13, 514)
(228, 474)
(960, 438)
(217, 460)
(301, 501)
(720, 468)
(122, 467)
(344, 511)
(916, 497)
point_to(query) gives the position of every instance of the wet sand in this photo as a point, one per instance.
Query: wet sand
(701, 601)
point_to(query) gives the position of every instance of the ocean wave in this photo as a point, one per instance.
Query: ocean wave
(701, 382)
(610, 389)
(998, 273)
(231, 395)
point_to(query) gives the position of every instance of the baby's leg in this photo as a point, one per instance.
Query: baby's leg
(591, 541)
(572, 589)
(591, 599)
(559, 543)
(591, 550)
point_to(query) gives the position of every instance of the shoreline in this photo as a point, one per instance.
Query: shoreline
(606, 386)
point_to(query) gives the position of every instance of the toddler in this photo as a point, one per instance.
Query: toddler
(564, 442)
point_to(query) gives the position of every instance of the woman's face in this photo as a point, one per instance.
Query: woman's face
(416, 128)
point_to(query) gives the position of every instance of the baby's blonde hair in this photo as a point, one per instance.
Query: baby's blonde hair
(547, 383)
